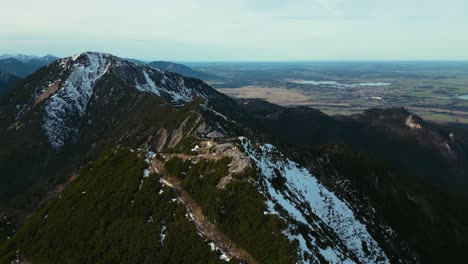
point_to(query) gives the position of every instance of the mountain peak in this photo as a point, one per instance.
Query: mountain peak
(73, 95)
(89, 56)
(68, 85)
(92, 53)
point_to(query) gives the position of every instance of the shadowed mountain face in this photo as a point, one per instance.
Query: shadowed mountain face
(148, 165)
(7, 80)
(395, 136)
(18, 68)
(413, 171)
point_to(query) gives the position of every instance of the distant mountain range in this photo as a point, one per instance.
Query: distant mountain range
(23, 65)
(30, 58)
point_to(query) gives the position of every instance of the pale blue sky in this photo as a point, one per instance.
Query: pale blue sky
(239, 30)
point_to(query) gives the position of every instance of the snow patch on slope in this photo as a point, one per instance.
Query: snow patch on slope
(222, 255)
(304, 196)
(181, 94)
(71, 100)
(173, 88)
(146, 172)
(149, 86)
(162, 234)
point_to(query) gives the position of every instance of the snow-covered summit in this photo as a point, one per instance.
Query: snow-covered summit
(173, 87)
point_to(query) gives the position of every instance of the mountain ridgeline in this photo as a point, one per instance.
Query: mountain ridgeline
(120, 162)
(182, 69)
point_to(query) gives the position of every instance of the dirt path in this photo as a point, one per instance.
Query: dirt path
(203, 224)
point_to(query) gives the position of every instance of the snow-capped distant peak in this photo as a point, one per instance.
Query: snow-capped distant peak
(27, 58)
(19, 57)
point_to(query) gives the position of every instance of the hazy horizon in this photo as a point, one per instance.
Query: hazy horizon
(194, 62)
(239, 31)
